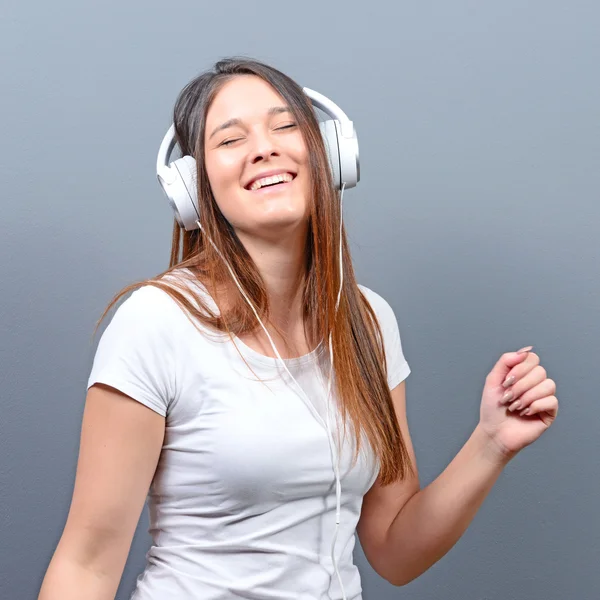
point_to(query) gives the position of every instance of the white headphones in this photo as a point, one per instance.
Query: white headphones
(178, 179)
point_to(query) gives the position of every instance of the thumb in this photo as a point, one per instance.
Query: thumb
(505, 364)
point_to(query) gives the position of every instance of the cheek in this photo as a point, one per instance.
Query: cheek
(299, 151)
(223, 173)
(303, 163)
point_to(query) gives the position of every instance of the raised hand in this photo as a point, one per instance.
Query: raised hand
(518, 402)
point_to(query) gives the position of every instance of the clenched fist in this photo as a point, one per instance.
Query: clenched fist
(518, 402)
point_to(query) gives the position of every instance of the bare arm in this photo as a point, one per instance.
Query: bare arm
(403, 529)
(120, 445)
(435, 518)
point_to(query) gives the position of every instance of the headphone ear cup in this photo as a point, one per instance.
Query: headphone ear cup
(181, 191)
(348, 153)
(343, 154)
(330, 139)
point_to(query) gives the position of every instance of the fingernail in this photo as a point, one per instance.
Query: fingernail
(515, 406)
(526, 349)
(509, 381)
(507, 397)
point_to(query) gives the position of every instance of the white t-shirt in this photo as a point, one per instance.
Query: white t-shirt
(242, 504)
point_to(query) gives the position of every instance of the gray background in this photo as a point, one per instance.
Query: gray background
(477, 217)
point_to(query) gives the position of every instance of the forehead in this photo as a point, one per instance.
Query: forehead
(245, 97)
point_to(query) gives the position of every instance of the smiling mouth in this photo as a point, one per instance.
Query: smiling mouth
(271, 182)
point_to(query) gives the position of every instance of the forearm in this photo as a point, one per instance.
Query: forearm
(433, 520)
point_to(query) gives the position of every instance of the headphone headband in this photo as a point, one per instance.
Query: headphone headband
(164, 152)
(332, 109)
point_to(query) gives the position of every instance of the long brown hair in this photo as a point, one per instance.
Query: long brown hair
(360, 380)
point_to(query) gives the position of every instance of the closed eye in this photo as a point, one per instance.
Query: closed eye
(228, 142)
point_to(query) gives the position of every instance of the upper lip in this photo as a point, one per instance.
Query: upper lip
(269, 174)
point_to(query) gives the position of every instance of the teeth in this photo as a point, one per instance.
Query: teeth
(282, 177)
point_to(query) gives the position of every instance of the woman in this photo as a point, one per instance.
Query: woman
(189, 403)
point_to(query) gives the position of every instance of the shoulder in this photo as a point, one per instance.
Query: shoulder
(149, 302)
(397, 367)
(150, 299)
(167, 312)
(378, 303)
(140, 349)
(371, 294)
(148, 313)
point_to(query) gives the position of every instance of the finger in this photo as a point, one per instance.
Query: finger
(536, 376)
(533, 378)
(520, 370)
(546, 388)
(547, 405)
(503, 367)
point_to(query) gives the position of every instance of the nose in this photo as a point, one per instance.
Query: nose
(263, 148)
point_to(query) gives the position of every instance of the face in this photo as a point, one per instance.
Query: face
(256, 160)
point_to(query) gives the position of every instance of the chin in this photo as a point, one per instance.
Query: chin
(282, 212)
(285, 224)
(277, 227)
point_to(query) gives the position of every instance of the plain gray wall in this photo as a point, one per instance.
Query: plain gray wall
(477, 218)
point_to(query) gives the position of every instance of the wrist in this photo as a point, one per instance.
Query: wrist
(491, 449)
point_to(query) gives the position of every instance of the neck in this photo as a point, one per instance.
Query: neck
(282, 265)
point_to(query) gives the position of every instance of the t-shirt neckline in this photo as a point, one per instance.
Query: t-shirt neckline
(271, 361)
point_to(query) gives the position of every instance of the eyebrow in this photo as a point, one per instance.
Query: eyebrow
(274, 110)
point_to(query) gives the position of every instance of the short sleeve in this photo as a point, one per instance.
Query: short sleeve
(397, 366)
(135, 353)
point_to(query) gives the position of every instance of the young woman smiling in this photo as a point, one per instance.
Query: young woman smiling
(189, 405)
